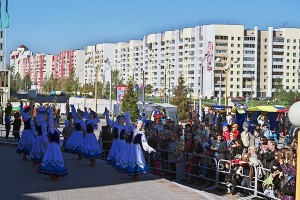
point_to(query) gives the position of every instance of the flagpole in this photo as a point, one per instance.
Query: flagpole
(4, 56)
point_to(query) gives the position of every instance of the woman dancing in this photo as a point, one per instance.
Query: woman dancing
(27, 138)
(75, 141)
(53, 162)
(119, 129)
(91, 148)
(131, 160)
(40, 143)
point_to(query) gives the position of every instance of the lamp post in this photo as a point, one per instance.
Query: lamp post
(227, 69)
(293, 114)
(201, 86)
(110, 84)
(96, 87)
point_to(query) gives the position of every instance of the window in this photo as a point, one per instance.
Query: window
(239, 38)
(232, 45)
(266, 39)
(239, 45)
(232, 38)
(288, 40)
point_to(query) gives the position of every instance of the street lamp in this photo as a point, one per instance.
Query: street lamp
(110, 84)
(293, 114)
(201, 86)
(96, 87)
(226, 70)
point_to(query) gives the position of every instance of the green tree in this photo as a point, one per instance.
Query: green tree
(26, 82)
(179, 99)
(130, 101)
(148, 89)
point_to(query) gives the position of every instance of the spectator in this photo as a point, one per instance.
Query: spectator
(172, 158)
(229, 120)
(219, 147)
(257, 138)
(238, 149)
(159, 126)
(16, 125)
(67, 131)
(266, 132)
(7, 124)
(235, 131)
(67, 108)
(211, 119)
(245, 136)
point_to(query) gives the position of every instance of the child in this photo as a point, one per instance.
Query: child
(7, 125)
(16, 126)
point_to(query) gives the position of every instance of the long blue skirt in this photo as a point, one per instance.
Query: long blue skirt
(131, 160)
(91, 148)
(26, 142)
(116, 147)
(53, 161)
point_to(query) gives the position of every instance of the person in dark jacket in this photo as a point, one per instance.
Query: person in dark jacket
(16, 126)
(219, 147)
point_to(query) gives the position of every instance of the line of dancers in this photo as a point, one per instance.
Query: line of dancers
(41, 140)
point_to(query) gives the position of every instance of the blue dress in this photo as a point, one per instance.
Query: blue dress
(27, 138)
(40, 143)
(118, 144)
(131, 160)
(75, 141)
(53, 161)
(91, 148)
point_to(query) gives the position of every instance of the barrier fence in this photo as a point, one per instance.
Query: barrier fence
(197, 167)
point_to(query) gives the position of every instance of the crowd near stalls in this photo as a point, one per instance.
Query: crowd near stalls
(239, 148)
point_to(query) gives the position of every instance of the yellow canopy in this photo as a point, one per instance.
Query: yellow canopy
(263, 109)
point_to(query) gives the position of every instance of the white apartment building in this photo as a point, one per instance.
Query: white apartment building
(79, 60)
(279, 60)
(16, 59)
(129, 60)
(101, 56)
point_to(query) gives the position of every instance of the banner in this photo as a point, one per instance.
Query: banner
(120, 93)
(210, 53)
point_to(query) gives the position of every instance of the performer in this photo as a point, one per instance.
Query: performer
(75, 141)
(40, 143)
(91, 148)
(53, 162)
(26, 141)
(119, 130)
(131, 160)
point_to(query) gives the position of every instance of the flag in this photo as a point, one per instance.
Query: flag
(0, 16)
(6, 16)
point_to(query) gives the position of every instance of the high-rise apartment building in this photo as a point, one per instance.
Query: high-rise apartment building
(96, 58)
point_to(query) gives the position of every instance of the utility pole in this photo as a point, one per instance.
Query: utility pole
(143, 87)
(96, 88)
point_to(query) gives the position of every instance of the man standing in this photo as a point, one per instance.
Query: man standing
(67, 108)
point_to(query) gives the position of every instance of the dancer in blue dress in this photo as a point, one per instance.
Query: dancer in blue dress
(53, 162)
(91, 148)
(75, 141)
(41, 140)
(119, 130)
(131, 160)
(27, 138)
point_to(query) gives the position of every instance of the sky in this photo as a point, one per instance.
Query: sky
(51, 26)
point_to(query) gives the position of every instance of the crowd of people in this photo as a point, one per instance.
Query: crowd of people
(272, 152)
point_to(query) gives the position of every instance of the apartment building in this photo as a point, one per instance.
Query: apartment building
(99, 57)
(38, 67)
(16, 59)
(212, 58)
(279, 60)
